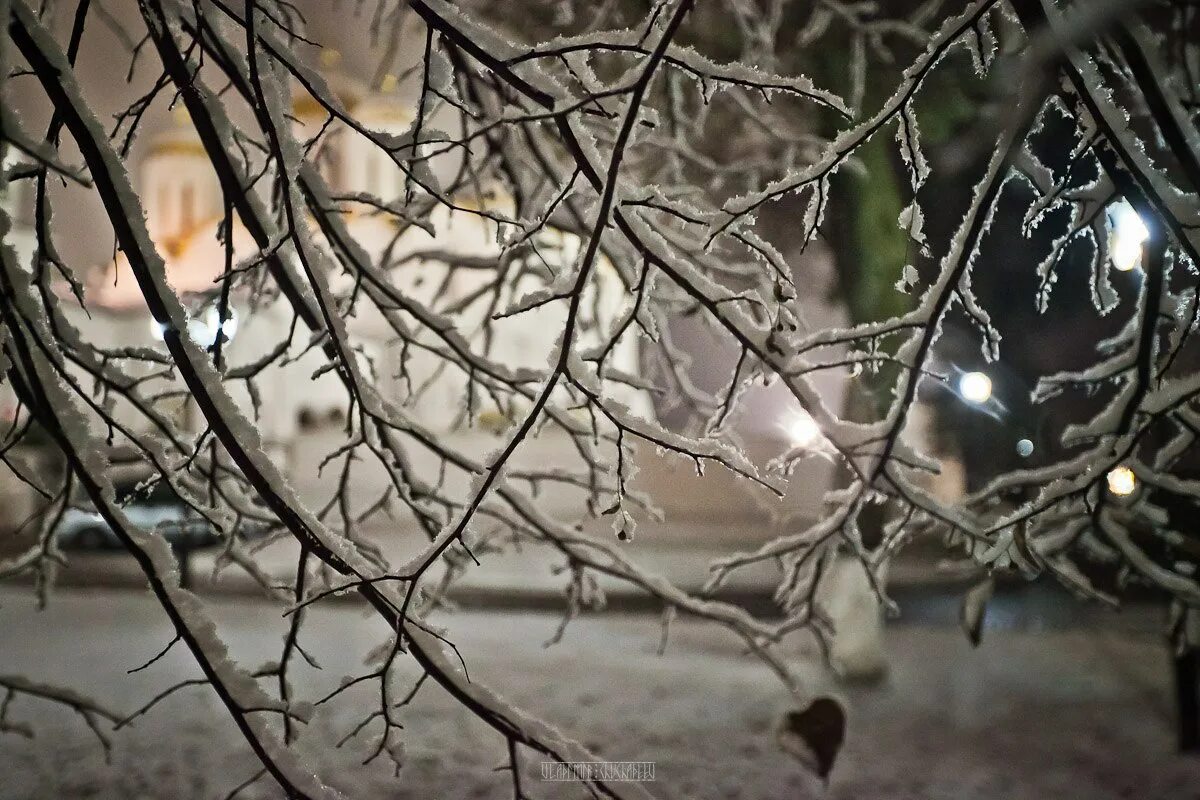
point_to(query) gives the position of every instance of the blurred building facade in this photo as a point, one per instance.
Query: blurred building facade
(300, 404)
(185, 215)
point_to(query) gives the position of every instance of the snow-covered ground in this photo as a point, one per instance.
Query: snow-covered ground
(1052, 714)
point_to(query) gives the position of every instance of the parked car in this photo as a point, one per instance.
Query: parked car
(157, 509)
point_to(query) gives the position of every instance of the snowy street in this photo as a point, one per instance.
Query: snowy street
(1062, 713)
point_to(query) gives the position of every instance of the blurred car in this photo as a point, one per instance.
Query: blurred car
(157, 509)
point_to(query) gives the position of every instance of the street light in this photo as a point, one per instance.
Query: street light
(199, 331)
(975, 387)
(228, 326)
(1121, 481)
(203, 330)
(1127, 235)
(803, 430)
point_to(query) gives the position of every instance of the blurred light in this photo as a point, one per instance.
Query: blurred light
(1024, 448)
(200, 332)
(975, 387)
(229, 327)
(203, 330)
(1122, 482)
(157, 330)
(1127, 235)
(803, 430)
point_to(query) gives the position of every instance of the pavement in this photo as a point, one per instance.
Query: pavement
(1061, 700)
(1069, 714)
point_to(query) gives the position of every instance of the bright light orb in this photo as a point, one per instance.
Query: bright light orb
(157, 330)
(975, 387)
(1121, 481)
(200, 332)
(1024, 448)
(1127, 235)
(228, 327)
(803, 430)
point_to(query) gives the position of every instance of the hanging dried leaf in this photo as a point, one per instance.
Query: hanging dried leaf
(814, 736)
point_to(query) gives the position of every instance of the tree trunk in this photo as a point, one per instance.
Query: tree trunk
(1186, 665)
(856, 651)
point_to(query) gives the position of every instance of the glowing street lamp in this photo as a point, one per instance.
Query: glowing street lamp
(975, 387)
(228, 326)
(199, 331)
(1121, 481)
(203, 330)
(1127, 235)
(803, 430)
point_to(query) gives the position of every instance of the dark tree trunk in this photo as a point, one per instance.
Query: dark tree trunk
(1187, 698)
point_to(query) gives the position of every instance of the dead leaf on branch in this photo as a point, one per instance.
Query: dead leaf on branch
(814, 736)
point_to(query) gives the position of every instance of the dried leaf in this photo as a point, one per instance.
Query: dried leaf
(814, 736)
